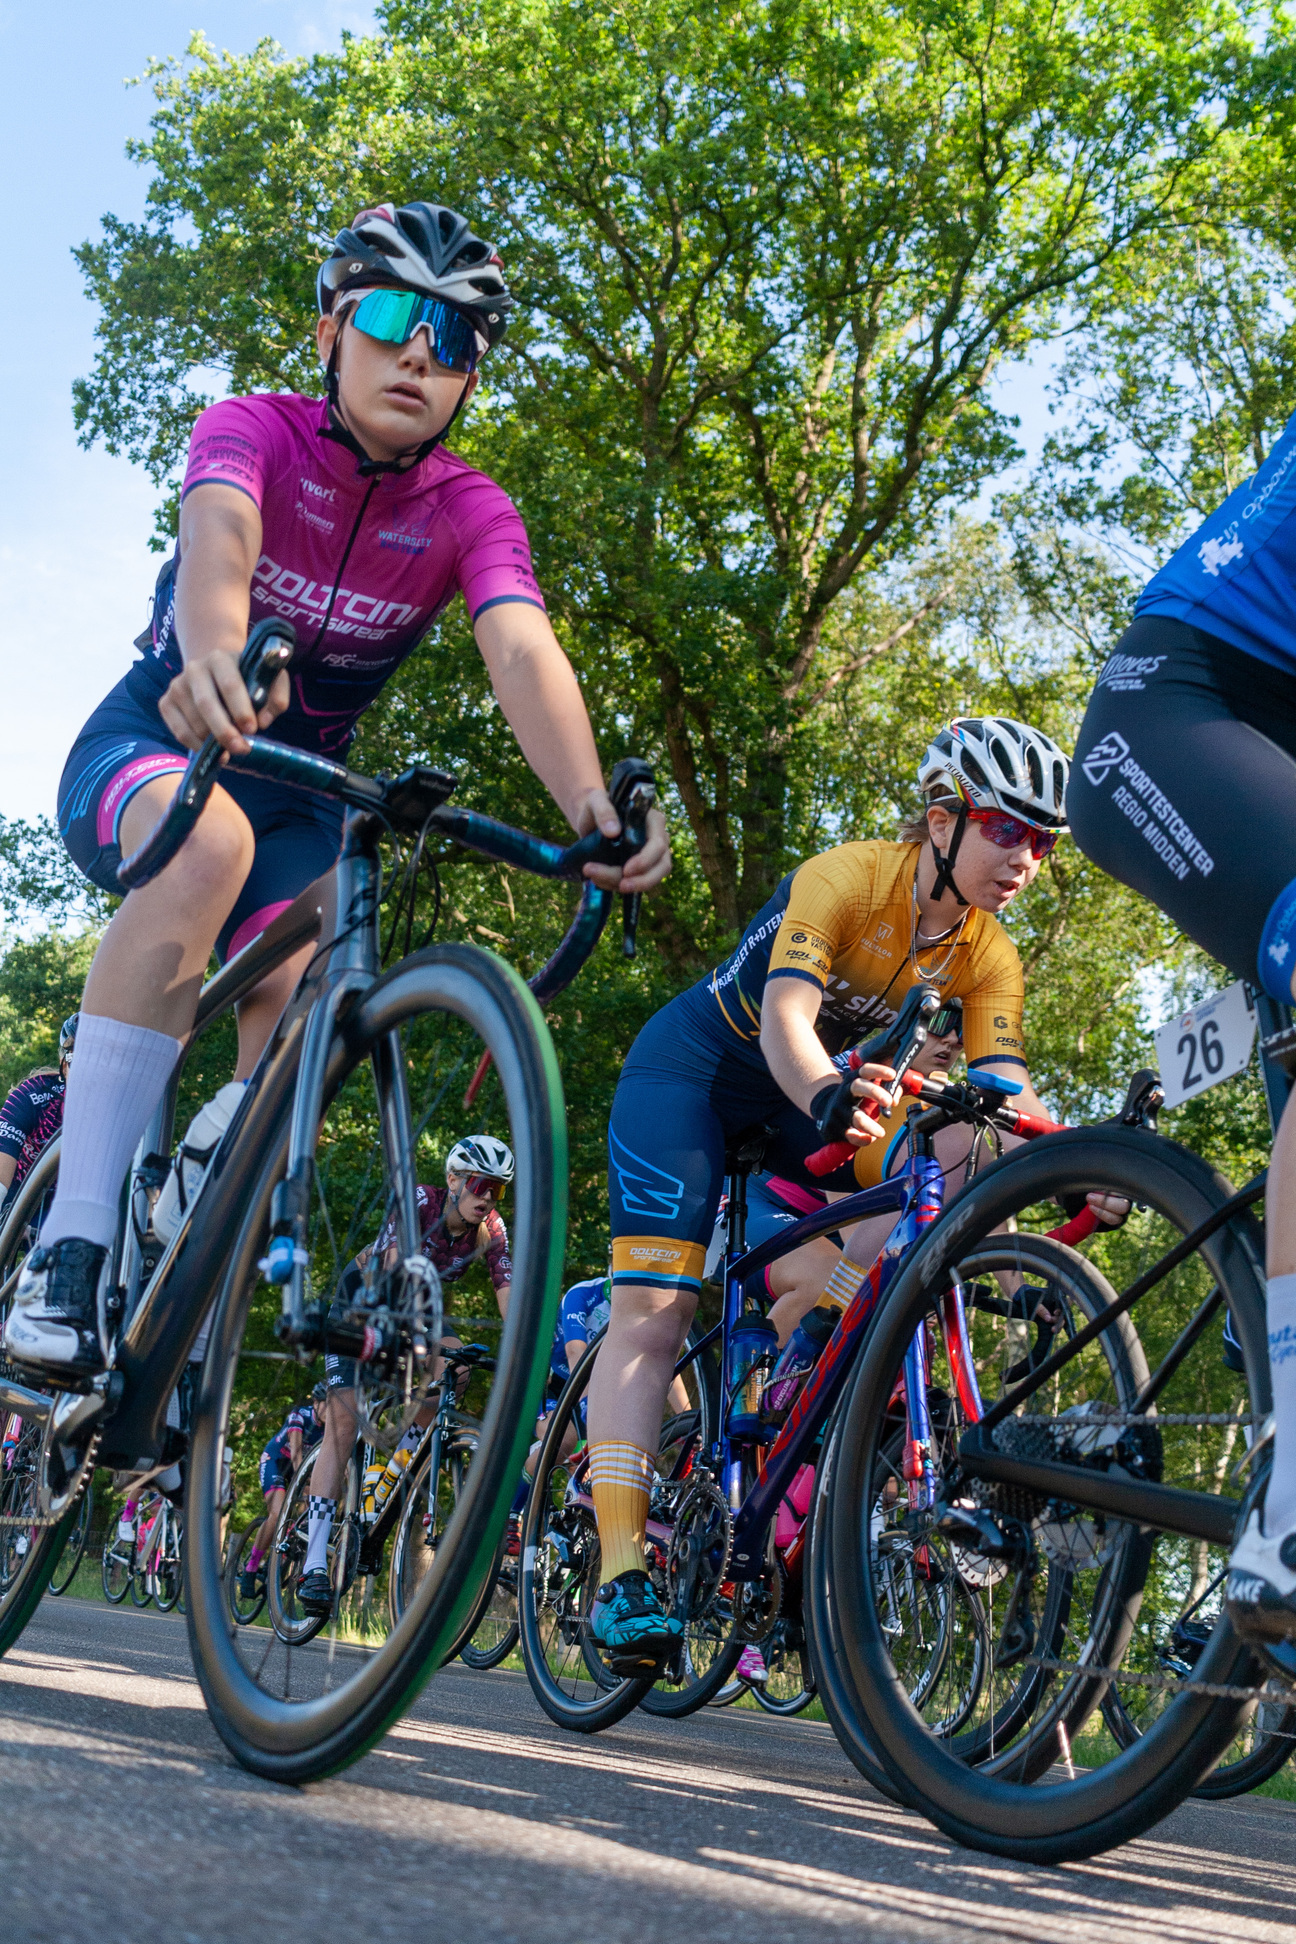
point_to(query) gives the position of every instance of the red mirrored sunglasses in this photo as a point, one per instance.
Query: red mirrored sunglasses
(485, 1185)
(1011, 832)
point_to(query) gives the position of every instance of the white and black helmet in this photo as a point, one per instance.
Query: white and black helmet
(480, 1154)
(419, 246)
(991, 762)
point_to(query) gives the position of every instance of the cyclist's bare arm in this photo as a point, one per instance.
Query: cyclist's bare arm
(220, 544)
(797, 1059)
(537, 689)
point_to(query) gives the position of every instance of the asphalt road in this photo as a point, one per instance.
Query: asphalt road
(125, 1821)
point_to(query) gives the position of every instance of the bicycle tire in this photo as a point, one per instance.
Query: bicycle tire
(1101, 1805)
(168, 1586)
(411, 1557)
(458, 987)
(1271, 1751)
(74, 1550)
(560, 1570)
(823, 1643)
(243, 1613)
(494, 1635)
(116, 1582)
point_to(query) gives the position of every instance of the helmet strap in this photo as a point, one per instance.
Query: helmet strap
(945, 862)
(338, 429)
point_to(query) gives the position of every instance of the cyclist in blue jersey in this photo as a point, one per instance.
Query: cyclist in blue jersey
(1184, 787)
(32, 1115)
(299, 1433)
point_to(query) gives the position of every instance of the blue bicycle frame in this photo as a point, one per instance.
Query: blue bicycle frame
(916, 1194)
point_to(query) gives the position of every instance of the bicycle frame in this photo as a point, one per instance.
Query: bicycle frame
(165, 1301)
(916, 1195)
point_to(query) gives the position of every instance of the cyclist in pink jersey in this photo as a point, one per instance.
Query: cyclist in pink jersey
(348, 516)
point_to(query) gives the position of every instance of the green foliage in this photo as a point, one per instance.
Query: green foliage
(40, 984)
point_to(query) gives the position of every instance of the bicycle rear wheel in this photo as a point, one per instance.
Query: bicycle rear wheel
(561, 1565)
(245, 1612)
(1088, 1592)
(116, 1569)
(74, 1550)
(292, 1711)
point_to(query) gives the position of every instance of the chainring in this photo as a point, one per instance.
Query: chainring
(63, 1470)
(701, 1538)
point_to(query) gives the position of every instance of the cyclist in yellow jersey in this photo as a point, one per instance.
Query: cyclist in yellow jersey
(827, 959)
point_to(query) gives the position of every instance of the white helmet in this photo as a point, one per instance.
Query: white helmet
(989, 762)
(480, 1154)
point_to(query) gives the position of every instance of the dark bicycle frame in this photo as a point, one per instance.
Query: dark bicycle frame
(164, 1306)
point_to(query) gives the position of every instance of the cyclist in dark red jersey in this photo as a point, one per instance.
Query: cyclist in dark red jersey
(32, 1115)
(461, 1224)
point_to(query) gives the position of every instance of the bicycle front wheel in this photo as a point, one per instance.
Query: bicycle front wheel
(1002, 1658)
(393, 1105)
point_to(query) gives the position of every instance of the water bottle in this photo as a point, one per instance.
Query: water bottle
(368, 1503)
(386, 1484)
(801, 1353)
(752, 1339)
(202, 1137)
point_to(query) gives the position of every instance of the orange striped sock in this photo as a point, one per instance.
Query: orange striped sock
(619, 1477)
(842, 1285)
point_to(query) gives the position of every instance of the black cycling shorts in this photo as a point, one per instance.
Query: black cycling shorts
(122, 747)
(1184, 787)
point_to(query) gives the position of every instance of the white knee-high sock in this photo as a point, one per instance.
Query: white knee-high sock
(1280, 1496)
(319, 1523)
(117, 1077)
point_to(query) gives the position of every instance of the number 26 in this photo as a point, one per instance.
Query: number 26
(1212, 1054)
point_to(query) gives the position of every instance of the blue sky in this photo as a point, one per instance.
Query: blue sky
(75, 569)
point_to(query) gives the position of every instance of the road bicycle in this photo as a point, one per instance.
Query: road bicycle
(1092, 1501)
(157, 1574)
(714, 1503)
(322, 1152)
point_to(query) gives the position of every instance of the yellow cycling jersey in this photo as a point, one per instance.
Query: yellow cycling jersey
(844, 922)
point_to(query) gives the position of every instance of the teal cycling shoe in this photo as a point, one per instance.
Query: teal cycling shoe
(629, 1622)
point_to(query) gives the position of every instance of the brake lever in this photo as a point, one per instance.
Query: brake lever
(268, 652)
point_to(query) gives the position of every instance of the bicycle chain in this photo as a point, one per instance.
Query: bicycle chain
(1214, 1690)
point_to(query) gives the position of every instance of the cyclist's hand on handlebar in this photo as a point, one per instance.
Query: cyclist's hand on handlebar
(209, 698)
(864, 1130)
(646, 868)
(1111, 1210)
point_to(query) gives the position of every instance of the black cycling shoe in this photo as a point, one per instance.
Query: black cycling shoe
(252, 1585)
(315, 1591)
(53, 1326)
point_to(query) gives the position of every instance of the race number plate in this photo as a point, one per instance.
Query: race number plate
(1205, 1045)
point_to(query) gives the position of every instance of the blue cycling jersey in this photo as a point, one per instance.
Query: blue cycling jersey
(581, 1315)
(1236, 577)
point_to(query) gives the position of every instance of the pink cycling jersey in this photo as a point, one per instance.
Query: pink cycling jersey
(362, 567)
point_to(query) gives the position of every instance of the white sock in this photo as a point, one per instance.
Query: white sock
(115, 1082)
(319, 1523)
(1280, 1496)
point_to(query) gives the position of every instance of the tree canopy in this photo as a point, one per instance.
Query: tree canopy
(775, 264)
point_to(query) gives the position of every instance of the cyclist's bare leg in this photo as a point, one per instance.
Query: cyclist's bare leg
(152, 959)
(336, 1445)
(797, 1281)
(265, 1535)
(149, 968)
(634, 1368)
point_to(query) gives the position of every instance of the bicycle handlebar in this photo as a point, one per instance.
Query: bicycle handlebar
(413, 801)
(963, 1102)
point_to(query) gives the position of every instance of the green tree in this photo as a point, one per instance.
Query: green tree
(769, 260)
